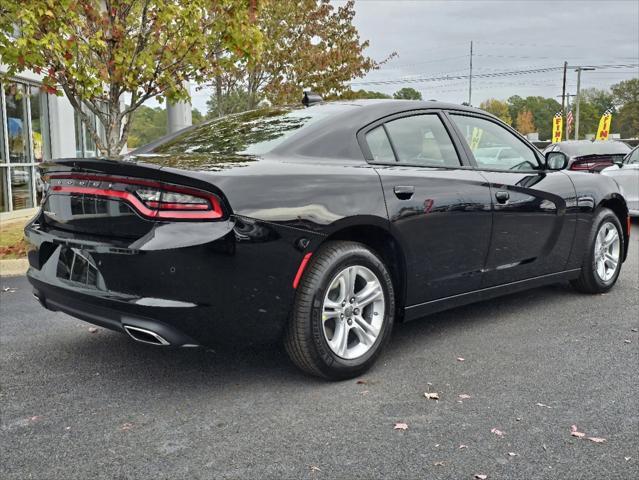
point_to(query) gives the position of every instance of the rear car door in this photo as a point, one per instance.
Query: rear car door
(533, 208)
(439, 207)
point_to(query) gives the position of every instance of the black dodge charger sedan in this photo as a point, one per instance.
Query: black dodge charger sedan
(319, 226)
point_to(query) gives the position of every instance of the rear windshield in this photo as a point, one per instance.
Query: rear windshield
(595, 148)
(250, 133)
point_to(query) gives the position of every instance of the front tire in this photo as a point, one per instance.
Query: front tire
(343, 313)
(603, 257)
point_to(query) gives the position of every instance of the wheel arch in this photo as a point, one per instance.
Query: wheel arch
(384, 244)
(617, 204)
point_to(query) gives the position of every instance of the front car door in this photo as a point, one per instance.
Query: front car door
(438, 205)
(534, 210)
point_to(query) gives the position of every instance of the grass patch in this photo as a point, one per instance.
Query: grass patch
(12, 244)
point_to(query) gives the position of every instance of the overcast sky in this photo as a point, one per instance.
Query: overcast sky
(432, 38)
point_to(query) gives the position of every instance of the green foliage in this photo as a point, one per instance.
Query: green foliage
(407, 93)
(113, 55)
(498, 108)
(234, 101)
(626, 94)
(149, 124)
(541, 109)
(306, 44)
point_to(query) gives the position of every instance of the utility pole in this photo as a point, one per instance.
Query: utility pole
(579, 70)
(470, 77)
(563, 93)
(567, 96)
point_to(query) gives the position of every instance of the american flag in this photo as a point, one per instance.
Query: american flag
(569, 120)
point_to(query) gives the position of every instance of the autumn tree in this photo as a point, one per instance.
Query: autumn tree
(525, 123)
(357, 94)
(497, 108)
(110, 56)
(407, 93)
(306, 44)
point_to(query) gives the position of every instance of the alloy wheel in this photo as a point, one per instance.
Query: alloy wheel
(607, 251)
(353, 312)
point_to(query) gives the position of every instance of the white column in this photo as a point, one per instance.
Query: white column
(179, 114)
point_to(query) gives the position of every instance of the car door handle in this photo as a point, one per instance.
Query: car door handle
(502, 196)
(404, 192)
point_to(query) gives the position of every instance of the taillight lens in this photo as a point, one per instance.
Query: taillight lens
(151, 199)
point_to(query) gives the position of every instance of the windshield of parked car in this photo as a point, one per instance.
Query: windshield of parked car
(249, 133)
(595, 148)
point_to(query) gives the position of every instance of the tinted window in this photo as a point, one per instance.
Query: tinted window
(633, 157)
(379, 145)
(250, 133)
(422, 140)
(493, 146)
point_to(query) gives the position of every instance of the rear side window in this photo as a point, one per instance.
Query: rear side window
(422, 140)
(379, 145)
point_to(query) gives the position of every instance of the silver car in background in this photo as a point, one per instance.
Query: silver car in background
(626, 174)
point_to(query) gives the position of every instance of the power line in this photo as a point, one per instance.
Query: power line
(483, 75)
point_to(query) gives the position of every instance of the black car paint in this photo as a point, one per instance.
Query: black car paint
(231, 280)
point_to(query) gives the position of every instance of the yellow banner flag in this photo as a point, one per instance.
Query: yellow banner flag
(604, 126)
(475, 138)
(557, 128)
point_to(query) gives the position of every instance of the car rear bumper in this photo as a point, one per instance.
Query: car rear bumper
(234, 286)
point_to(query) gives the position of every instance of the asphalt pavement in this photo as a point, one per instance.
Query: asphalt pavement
(77, 404)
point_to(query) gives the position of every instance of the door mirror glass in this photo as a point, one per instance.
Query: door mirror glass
(556, 161)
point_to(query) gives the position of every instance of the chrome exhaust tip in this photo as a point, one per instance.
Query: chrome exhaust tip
(143, 335)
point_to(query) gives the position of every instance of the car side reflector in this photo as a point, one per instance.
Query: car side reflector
(300, 269)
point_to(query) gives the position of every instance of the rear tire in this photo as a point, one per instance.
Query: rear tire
(603, 256)
(343, 313)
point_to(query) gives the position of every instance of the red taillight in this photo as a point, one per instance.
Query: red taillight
(151, 199)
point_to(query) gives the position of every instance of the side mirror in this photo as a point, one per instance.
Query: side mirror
(556, 161)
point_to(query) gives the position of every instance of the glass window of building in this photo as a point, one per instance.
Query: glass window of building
(24, 141)
(84, 145)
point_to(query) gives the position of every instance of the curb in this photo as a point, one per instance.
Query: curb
(13, 267)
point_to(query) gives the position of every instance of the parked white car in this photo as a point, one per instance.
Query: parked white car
(627, 176)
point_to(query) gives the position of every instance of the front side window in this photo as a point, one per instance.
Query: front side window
(494, 147)
(633, 157)
(422, 140)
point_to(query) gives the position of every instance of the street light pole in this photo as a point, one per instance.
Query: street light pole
(579, 70)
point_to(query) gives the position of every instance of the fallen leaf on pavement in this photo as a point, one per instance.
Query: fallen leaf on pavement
(596, 439)
(439, 464)
(574, 431)
(8, 289)
(634, 330)
(314, 468)
(542, 405)
(126, 426)
(460, 359)
(626, 341)
(513, 454)
(431, 396)
(364, 392)
(35, 418)
(464, 396)
(400, 426)
(92, 329)
(627, 458)
(480, 476)
(462, 446)
(497, 432)
(361, 382)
